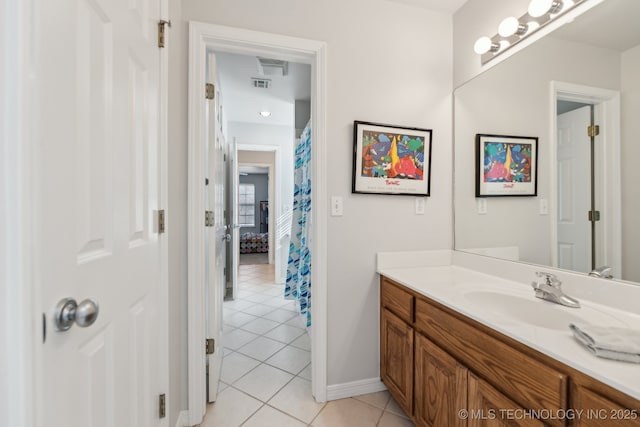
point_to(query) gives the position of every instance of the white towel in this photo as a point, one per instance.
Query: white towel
(609, 342)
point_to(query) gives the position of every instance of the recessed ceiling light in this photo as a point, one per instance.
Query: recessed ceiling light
(265, 113)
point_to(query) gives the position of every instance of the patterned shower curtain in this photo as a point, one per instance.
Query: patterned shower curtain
(298, 284)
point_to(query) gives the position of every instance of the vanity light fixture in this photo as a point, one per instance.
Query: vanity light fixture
(512, 30)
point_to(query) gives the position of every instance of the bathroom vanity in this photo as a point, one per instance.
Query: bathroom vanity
(462, 348)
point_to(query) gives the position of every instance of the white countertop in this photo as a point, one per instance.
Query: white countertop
(479, 296)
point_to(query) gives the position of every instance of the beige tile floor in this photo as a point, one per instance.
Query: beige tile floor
(266, 370)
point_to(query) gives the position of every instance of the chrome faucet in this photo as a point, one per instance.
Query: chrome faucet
(551, 290)
(604, 272)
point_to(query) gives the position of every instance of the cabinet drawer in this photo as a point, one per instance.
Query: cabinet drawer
(396, 300)
(529, 382)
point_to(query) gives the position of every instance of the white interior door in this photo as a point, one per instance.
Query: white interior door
(574, 190)
(216, 234)
(97, 185)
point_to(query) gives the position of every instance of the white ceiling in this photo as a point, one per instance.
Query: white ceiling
(611, 25)
(446, 6)
(242, 102)
(252, 169)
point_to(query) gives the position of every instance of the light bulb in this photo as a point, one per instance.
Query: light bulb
(533, 25)
(483, 45)
(508, 26)
(539, 7)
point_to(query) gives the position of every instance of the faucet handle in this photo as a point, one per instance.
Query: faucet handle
(550, 279)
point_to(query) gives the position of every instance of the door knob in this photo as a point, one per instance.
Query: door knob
(69, 311)
(226, 237)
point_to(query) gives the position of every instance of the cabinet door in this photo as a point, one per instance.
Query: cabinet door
(396, 358)
(598, 411)
(490, 408)
(440, 386)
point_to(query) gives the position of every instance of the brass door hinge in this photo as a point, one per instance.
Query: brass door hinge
(162, 31)
(210, 346)
(593, 131)
(209, 91)
(162, 406)
(159, 223)
(594, 216)
(208, 219)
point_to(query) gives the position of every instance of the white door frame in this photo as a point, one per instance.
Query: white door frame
(20, 332)
(203, 36)
(607, 104)
(20, 290)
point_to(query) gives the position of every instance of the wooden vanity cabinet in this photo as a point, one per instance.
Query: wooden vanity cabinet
(437, 362)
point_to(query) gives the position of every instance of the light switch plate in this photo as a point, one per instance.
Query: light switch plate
(482, 206)
(544, 207)
(419, 205)
(336, 206)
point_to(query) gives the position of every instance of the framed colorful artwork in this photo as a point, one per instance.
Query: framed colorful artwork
(391, 159)
(506, 165)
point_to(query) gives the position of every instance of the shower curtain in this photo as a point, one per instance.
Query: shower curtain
(298, 285)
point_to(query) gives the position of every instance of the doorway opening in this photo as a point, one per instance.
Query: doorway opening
(264, 335)
(206, 39)
(253, 214)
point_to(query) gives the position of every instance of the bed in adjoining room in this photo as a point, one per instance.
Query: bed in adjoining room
(252, 243)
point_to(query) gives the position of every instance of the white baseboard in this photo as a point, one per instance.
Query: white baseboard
(354, 388)
(183, 419)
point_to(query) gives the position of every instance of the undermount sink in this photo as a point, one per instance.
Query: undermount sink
(537, 312)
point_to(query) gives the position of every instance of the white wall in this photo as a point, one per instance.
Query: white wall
(629, 155)
(513, 98)
(387, 62)
(269, 135)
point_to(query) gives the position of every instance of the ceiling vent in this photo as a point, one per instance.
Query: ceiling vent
(260, 83)
(272, 67)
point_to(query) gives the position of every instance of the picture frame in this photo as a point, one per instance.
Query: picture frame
(389, 159)
(506, 165)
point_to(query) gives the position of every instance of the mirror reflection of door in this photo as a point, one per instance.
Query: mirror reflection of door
(574, 187)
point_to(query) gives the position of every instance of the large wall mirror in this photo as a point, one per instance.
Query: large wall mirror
(584, 73)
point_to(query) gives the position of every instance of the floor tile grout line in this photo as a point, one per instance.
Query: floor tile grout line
(266, 402)
(286, 344)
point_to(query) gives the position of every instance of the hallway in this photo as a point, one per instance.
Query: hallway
(266, 370)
